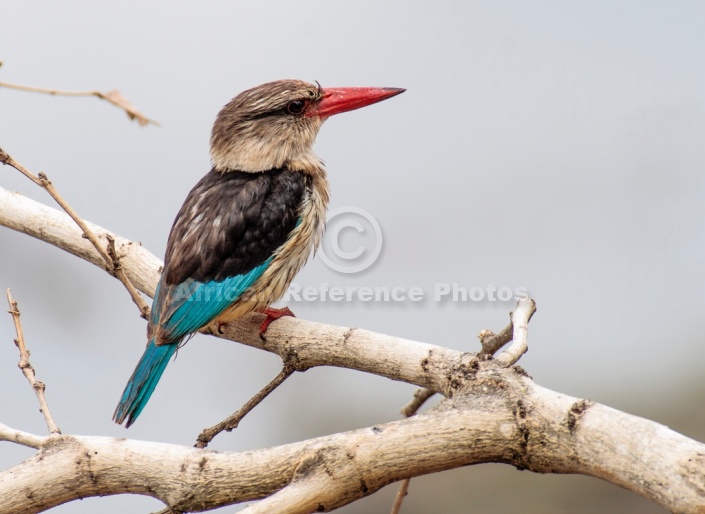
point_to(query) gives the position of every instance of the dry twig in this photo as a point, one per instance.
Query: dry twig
(420, 397)
(109, 256)
(232, 421)
(114, 97)
(27, 368)
(491, 342)
(120, 274)
(401, 494)
(526, 308)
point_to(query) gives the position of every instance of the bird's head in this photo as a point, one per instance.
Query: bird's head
(274, 125)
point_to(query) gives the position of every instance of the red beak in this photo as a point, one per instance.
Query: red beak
(341, 99)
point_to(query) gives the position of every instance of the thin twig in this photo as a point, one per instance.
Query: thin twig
(122, 277)
(43, 181)
(27, 368)
(114, 97)
(420, 396)
(526, 308)
(112, 262)
(491, 342)
(401, 494)
(232, 422)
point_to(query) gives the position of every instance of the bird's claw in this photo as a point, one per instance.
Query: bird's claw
(272, 314)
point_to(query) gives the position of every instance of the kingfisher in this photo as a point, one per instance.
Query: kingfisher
(249, 225)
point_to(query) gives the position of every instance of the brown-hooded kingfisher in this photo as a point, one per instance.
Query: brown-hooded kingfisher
(249, 225)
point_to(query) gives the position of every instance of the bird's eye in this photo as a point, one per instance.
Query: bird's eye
(295, 107)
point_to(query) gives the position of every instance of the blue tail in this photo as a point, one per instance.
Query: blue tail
(143, 381)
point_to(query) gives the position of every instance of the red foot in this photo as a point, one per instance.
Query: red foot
(273, 315)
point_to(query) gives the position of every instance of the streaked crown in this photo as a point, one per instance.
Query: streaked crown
(266, 127)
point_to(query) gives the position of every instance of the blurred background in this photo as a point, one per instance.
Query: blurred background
(550, 146)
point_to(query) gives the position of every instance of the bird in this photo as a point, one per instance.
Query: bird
(248, 226)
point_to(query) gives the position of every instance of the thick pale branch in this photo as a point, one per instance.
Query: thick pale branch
(311, 344)
(496, 415)
(358, 462)
(56, 228)
(492, 414)
(304, 343)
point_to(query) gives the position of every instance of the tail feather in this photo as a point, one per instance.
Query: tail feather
(143, 381)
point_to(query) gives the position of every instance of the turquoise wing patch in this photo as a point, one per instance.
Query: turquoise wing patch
(189, 306)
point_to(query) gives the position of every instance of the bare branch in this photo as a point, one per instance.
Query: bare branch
(42, 181)
(232, 422)
(420, 397)
(491, 342)
(112, 262)
(401, 494)
(29, 217)
(496, 415)
(114, 97)
(492, 413)
(520, 323)
(27, 368)
(20, 437)
(410, 409)
(120, 274)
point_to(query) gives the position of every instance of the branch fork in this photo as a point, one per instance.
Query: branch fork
(108, 254)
